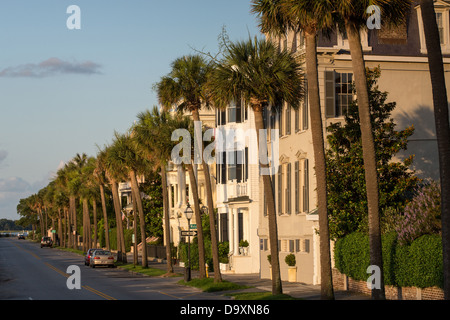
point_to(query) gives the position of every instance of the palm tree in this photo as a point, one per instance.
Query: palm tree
(186, 88)
(127, 157)
(114, 173)
(152, 133)
(262, 76)
(442, 127)
(99, 174)
(351, 16)
(276, 17)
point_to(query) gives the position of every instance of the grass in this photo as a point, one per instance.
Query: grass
(208, 285)
(261, 296)
(152, 272)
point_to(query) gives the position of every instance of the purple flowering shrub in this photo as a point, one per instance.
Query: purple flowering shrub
(422, 215)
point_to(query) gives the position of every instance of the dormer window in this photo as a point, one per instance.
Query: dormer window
(441, 9)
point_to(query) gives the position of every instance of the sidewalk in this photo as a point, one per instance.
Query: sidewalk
(294, 289)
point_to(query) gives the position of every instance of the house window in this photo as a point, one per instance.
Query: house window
(234, 113)
(440, 25)
(342, 40)
(233, 166)
(338, 93)
(288, 120)
(443, 21)
(224, 227)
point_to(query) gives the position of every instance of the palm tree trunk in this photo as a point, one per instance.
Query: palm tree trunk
(441, 117)
(60, 228)
(137, 197)
(198, 221)
(166, 219)
(86, 226)
(212, 217)
(73, 209)
(369, 156)
(94, 212)
(135, 218)
(121, 252)
(326, 281)
(277, 287)
(105, 217)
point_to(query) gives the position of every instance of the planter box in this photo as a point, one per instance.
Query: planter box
(224, 266)
(292, 274)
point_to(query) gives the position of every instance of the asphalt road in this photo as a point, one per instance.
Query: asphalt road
(28, 272)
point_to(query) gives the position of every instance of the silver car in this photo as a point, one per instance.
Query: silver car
(101, 258)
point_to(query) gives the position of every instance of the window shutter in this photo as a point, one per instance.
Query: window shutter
(306, 186)
(297, 187)
(280, 188)
(224, 168)
(329, 94)
(239, 111)
(288, 120)
(288, 189)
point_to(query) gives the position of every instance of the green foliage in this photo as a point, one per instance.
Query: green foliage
(153, 204)
(290, 260)
(224, 249)
(418, 264)
(347, 200)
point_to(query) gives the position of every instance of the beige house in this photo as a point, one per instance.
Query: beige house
(401, 55)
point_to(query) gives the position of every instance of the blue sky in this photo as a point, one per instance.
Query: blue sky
(65, 91)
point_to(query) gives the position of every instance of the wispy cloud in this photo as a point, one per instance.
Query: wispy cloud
(3, 155)
(51, 67)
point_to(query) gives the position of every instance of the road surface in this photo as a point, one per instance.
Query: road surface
(28, 272)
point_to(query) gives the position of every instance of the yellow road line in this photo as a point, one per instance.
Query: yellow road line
(101, 294)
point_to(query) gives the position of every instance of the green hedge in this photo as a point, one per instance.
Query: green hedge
(416, 265)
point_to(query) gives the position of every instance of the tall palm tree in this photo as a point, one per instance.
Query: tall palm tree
(152, 133)
(114, 173)
(352, 17)
(262, 76)
(185, 87)
(441, 117)
(99, 174)
(127, 157)
(277, 17)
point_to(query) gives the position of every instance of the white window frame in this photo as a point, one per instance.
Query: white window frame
(439, 7)
(343, 44)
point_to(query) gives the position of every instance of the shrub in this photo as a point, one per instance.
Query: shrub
(418, 264)
(422, 214)
(290, 260)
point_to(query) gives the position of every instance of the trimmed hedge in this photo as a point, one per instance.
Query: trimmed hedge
(418, 264)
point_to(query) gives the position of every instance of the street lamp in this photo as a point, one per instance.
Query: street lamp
(188, 213)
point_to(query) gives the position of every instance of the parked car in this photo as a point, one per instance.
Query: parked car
(21, 236)
(87, 257)
(46, 242)
(101, 258)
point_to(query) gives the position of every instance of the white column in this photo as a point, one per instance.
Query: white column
(236, 231)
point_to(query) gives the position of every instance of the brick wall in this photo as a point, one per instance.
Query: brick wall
(342, 282)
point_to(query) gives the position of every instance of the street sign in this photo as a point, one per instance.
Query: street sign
(193, 226)
(188, 233)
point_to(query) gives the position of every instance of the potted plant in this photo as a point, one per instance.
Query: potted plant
(223, 256)
(292, 269)
(243, 247)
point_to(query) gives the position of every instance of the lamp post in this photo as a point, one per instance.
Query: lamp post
(188, 213)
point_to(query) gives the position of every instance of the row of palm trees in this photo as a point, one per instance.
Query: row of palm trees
(263, 76)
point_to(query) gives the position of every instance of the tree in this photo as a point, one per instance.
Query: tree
(152, 133)
(262, 76)
(441, 117)
(115, 172)
(308, 17)
(352, 17)
(100, 175)
(186, 88)
(126, 156)
(347, 197)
